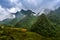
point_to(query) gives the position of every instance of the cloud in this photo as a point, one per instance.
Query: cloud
(4, 13)
(11, 6)
(13, 10)
(13, 1)
(34, 5)
(6, 4)
(38, 5)
(32, 2)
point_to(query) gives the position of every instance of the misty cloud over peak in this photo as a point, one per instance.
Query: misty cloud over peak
(11, 6)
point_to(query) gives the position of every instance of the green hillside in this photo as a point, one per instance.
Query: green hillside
(27, 22)
(54, 16)
(31, 27)
(45, 27)
(15, 34)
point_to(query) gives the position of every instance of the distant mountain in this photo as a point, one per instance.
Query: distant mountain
(54, 16)
(20, 15)
(12, 22)
(45, 11)
(27, 21)
(27, 12)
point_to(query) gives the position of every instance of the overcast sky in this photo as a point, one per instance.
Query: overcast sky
(11, 6)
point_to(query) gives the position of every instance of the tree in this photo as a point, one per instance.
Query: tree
(44, 27)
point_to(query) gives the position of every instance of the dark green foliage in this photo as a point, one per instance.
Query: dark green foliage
(54, 16)
(44, 27)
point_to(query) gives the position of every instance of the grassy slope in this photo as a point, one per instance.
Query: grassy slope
(16, 34)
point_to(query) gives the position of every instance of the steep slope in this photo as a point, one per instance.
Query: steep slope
(54, 16)
(44, 27)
